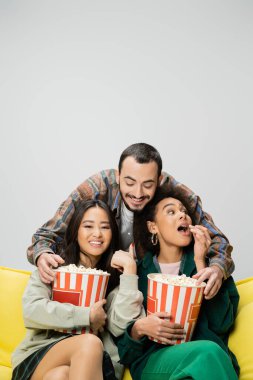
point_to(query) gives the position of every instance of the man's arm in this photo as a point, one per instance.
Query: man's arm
(49, 237)
(219, 253)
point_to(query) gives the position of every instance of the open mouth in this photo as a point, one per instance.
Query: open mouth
(184, 228)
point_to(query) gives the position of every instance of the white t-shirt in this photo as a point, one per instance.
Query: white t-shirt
(171, 268)
(126, 227)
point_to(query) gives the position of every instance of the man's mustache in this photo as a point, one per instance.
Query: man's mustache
(141, 198)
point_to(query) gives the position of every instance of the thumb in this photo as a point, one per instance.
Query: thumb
(131, 251)
(99, 303)
(59, 259)
(163, 314)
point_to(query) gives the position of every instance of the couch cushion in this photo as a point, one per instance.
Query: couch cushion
(241, 341)
(5, 373)
(12, 330)
(245, 289)
(241, 338)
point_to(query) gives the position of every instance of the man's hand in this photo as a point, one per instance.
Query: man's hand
(159, 327)
(45, 263)
(214, 275)
(97, 316)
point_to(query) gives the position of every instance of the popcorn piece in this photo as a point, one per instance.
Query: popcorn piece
(182, 280)
(79, 269)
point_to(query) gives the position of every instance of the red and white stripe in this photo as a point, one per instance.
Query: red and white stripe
(183, 302)
(80, 289)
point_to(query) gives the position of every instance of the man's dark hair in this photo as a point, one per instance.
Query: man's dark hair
(143, 154)
(71, 249)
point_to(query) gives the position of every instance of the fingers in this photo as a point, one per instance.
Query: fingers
(131, 251)
(168, 332)
(44, 266)
(202, 242)
(98, 315)
(53, 260)
(46, 278)
(58, 259)
(212, 290)
(165, 325)
(45, 263)
(170, 338)
(116, 263)
(201, 233)
(166, 341)
(214, 283)
(202, 275)
(49, 259)
(163, 314)
(199, 227)
(214, 277)
(159, 328)
(100, 303)
(197, 275)
(113, 265)
(124, 262)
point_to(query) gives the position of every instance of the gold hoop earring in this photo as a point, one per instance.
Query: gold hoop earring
(154, 239)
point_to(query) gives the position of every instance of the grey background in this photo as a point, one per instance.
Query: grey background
(81, 80)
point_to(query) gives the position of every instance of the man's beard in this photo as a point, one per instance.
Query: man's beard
(136, 211)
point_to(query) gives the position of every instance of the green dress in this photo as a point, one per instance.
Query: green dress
(207, 356)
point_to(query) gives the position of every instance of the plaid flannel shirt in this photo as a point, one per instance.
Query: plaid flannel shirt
(103, 185)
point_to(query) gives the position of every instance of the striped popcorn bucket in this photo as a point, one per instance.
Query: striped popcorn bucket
(182, 301)
(80, 289)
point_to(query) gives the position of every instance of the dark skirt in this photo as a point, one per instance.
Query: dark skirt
(26, 368)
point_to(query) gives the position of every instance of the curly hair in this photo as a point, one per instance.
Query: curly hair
(142, 236)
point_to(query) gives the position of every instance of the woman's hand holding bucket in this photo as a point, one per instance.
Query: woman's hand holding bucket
(159, 327)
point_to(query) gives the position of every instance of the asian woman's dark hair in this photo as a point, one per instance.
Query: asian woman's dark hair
(142, 236)
(71, 250)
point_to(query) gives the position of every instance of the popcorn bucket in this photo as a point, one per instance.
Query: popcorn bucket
(80, 289)
(183, 301)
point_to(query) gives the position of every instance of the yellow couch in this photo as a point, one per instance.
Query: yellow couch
(12, 330)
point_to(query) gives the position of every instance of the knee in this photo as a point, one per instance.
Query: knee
(210, 351)
(203, 350)
(90, 341)
(210, 347)
(90, 344)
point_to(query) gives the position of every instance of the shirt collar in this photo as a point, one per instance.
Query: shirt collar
(187, 265)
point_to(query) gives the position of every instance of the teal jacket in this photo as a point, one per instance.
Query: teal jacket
(215, 321)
